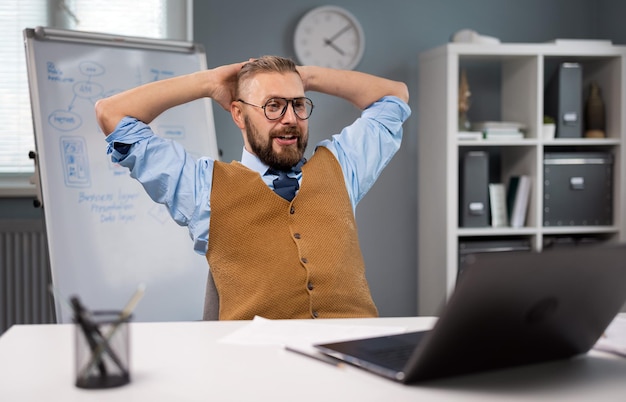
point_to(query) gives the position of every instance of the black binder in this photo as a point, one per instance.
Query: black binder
(474, 189)
(563, 100)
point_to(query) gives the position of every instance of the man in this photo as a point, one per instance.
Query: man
(269, 254)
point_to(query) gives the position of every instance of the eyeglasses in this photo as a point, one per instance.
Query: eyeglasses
(275, 108)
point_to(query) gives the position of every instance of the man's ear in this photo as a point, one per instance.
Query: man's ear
(237, 114)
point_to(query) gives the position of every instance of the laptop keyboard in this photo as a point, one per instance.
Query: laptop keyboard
(393, 358)
(395, 351)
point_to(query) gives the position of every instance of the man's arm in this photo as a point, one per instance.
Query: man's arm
(359, 88)
(147, 101)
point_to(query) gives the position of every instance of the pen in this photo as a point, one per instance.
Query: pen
(104, 343)
(89, 329)
(320, 358)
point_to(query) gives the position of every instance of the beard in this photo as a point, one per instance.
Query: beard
(264, 149)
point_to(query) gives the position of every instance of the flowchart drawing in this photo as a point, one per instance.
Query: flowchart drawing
(75, 161)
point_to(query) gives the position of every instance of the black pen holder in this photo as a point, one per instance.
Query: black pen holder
(102, 350)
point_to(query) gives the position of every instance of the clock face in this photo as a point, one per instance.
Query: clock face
(329, 36)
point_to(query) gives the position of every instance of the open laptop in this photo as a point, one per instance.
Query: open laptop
(508, 309)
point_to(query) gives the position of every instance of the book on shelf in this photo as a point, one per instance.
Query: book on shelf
(469, 135)
(498, 125)
(504, 135)
(497, 204)
(518, 195)
(500, 130)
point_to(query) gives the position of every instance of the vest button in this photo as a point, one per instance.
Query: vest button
(296, 235)
(315, 314)
(309, 286)
(304, 260)
(292, 210)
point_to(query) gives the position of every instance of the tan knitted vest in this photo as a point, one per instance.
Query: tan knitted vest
(280, 259)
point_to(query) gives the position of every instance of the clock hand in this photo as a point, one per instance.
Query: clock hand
(328, 42)
(338, 34)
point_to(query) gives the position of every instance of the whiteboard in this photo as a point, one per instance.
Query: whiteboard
(105, 235)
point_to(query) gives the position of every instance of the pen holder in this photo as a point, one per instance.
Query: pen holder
(102, 350)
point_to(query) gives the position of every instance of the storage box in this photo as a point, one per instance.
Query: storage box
(578, 189)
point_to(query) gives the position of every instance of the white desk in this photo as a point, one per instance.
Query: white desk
(177, 362)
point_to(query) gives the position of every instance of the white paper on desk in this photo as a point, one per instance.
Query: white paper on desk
(614, 338)
(302, 335)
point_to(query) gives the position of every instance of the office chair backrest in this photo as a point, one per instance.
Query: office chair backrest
(211, 300)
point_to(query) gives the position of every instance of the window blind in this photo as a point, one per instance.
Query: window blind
(16, 129)
(145, 18)
(159, 19)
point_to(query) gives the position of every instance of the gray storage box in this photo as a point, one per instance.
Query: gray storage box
(578, 189)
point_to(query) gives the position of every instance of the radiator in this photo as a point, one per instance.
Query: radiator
(24, 274)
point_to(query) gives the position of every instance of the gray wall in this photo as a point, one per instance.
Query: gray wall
(396, 32)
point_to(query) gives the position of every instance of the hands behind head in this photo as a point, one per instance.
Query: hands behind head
(224, 84)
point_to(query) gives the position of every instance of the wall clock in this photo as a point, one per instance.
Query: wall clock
(329, 36)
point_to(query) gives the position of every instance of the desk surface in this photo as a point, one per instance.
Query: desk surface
(185, 362)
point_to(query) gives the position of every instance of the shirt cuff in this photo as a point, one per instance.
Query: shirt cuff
(127, 132)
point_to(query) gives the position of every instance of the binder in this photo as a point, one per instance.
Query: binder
(474, 189)
(563, 100)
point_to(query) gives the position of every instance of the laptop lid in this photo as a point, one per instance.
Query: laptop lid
(508, 309)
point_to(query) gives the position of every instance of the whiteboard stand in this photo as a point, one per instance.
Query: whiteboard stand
(105, 235)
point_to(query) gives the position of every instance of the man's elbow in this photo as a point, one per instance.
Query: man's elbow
(402, 91)
(103, 116)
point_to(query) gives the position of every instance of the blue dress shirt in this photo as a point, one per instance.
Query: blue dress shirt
(173, 178)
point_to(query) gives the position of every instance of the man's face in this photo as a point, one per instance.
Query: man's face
(278, 143)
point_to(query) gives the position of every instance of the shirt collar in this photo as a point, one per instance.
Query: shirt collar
(252, 162)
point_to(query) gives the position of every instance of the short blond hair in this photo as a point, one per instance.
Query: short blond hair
(265, 64)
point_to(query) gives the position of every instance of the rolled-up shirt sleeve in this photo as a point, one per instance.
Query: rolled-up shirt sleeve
(365, 147)
(169, 175)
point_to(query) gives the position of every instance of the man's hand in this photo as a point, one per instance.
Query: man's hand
(224, 83)
(147, 101)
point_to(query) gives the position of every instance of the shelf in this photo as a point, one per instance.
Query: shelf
(557, 142)
(507, 83)
(533, 231)
(497, 143)
(491, 231)
(581, 142)
(564, 230)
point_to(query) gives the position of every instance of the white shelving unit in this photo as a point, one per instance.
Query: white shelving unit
(520, 72)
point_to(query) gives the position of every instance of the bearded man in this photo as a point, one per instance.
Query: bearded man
(278, 231)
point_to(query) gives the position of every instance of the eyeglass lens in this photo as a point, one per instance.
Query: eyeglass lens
(276, 107)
